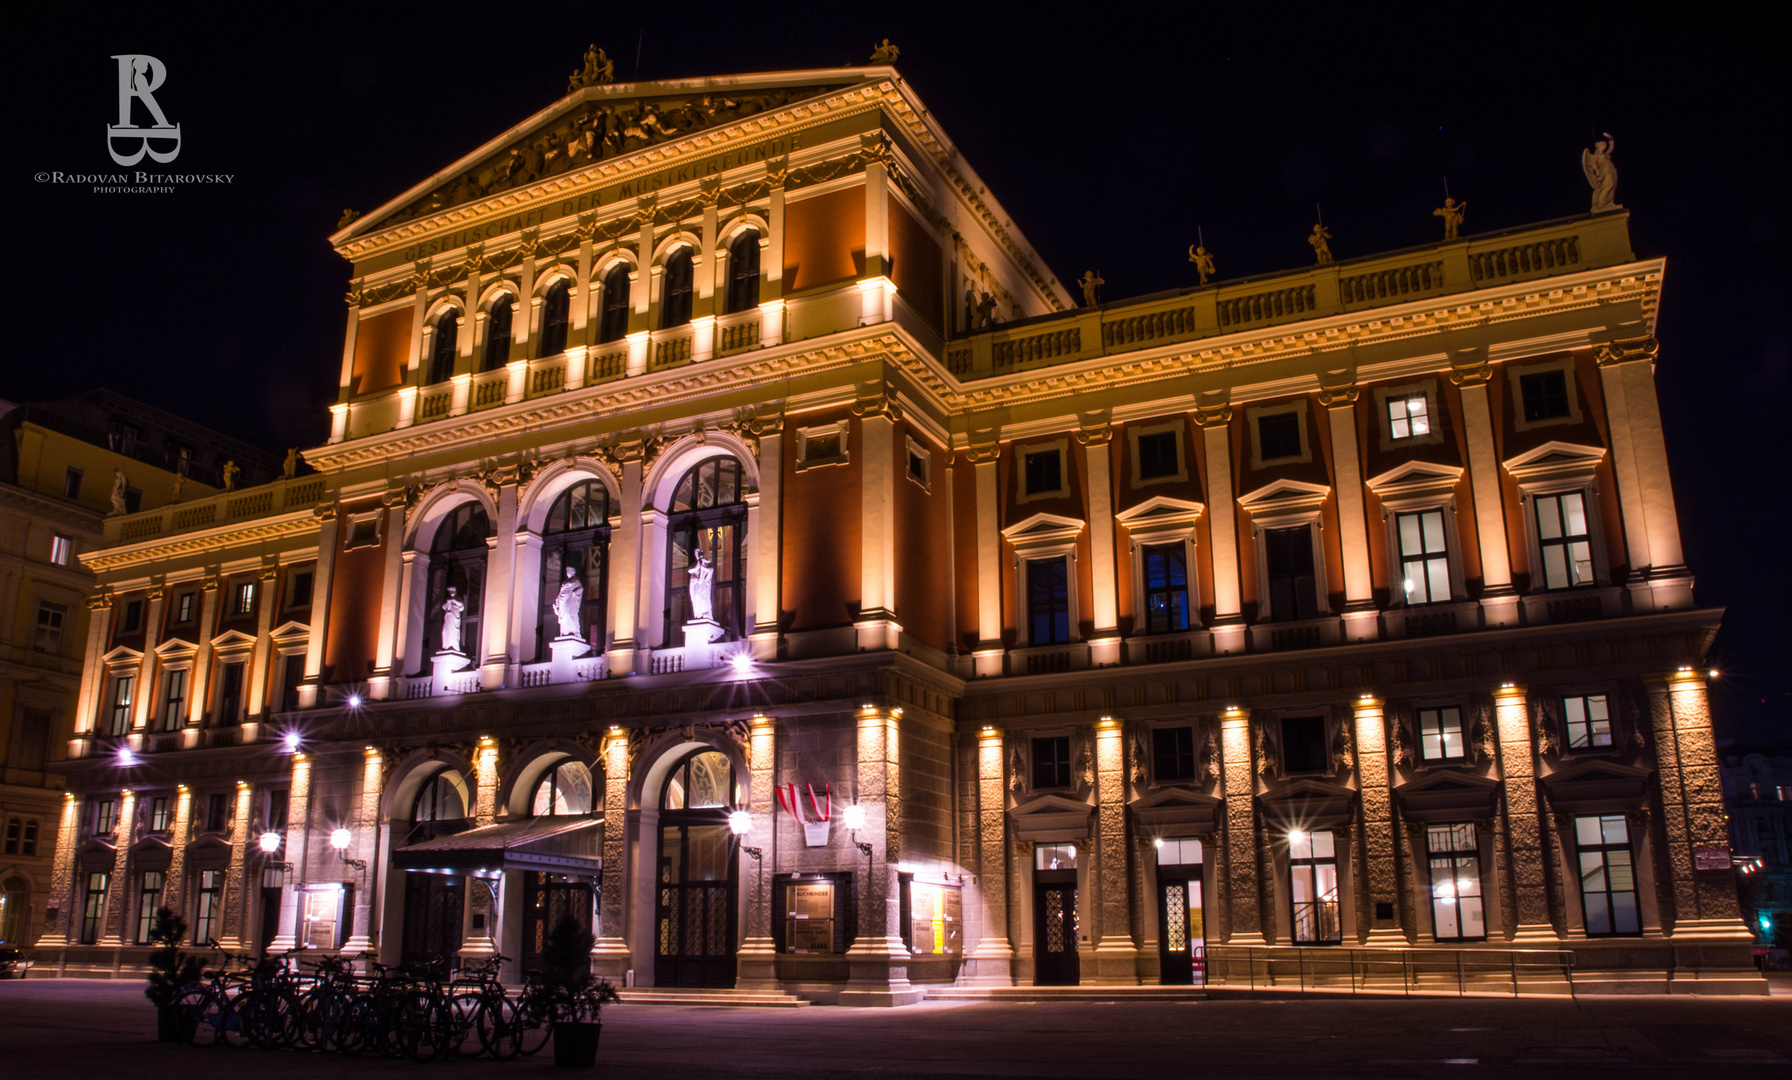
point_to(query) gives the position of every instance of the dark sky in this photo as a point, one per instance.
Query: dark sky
(1109, 133)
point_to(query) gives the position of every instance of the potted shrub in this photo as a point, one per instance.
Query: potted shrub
(569, 996)
(170, 971)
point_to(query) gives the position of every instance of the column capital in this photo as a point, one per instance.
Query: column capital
(1627, 351)
(1338, 397)
(984, 454)
(1213, 415)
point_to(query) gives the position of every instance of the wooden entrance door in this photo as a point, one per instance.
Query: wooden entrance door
(432, 913)
(694, 943)
(1055, 933)
(1181, 948)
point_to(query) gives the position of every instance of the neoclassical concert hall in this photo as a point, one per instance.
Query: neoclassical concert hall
(731, 534)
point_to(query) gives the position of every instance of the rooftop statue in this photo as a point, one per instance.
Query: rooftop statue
(118, 489)
(1320, 239)
(986, 312)
(1602, 174)
(885, 53)
(175, 489)
(348, 218)
(230, 471)
(599, 70)
(1091, 284)
(1451, 211)
(1203, 262)
(290, 467)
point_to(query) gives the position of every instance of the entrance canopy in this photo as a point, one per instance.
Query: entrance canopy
(556, 845)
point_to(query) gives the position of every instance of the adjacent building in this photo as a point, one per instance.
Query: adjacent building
(1758, 795)
(732, 534)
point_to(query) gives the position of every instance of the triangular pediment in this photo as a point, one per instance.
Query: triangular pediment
(176, 648)
(1284, 494)
(1597, 786)
(1177, 806)
(1160, 510)
(290, 631)
(1415, 478)
(233, 639)
(1448, 795)
(1042, 529)
(121, 654)
(1051, 817)
(1555, 458)
(1308, 803)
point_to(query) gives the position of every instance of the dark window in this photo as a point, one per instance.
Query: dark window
(614, 326)
(298, 589)
(743, 272)
(31, 740)
(1173, 755)
(555, 308)
(1424, 559)
(1588, 720)
(1157, 455)
(1166, 589)
(174, 699)
(71, 483)
(218, 810)
(1293, 591)
(1545, 394)
(123, 690)
(675, 299)
(497, 332)
(708, 517)
(49, 628)
(230, 693)
(1303, 745)
(441, 358)
(292, 674)
(133, 618)
(822, 447)
(1607, 875)
(457, 568)
(1564, 540)
(30, 845)
(442, 798)
(1044, 472)
(1051, 762)
(278, 801)
(1048, 601)
(1440, 734)
(208, 906)
(1278, 436)
(917, 467)
(14, 827)
(574, 545)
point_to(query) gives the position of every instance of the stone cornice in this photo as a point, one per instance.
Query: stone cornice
(14, 497)
(185, 545)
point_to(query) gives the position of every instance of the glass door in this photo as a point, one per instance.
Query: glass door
(695, 940)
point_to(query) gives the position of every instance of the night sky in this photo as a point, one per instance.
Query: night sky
(1109, 134)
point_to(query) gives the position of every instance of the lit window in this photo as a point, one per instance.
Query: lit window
(93, 906)
(185, 605)
(1440, 734)
(1408, 415)
(1564, 540)
(161, 818)
(1313, 887)
(1424, 559)
(1178, 851)
(243, 598)
(147, 903)
(1054, 857)
(675, 298)
(62, 550)
(208, 906)
(1588, 720)
(174, 698)
(555, 308)
(566, 789)
(1456, 911)
(1607, 875)
(119, 720)
(934, 925)
(105, 816)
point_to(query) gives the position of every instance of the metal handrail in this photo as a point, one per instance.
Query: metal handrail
(1364, 970)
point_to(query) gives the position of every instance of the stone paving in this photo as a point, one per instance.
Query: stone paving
(68, 1028)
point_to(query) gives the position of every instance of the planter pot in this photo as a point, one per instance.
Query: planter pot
(575, 1045)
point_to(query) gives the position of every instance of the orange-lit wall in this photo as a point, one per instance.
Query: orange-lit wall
(381, 346)
(824, 239)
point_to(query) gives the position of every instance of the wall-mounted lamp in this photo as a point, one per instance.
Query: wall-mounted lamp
(340, 840)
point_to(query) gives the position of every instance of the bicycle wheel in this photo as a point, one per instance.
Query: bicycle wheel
(499, 1025)
(359, 1019)
(198, 1011)
(533, 1029)
(464, 1012)
(420, 1025)
(234, 1019)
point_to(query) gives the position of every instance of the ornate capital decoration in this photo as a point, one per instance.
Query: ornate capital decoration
(985, 454)
(1212, 415)
(266, 573)
(355, 289)
(158, 590)
(99, 601)
(1627, 350)
(709, 191)
(1095, 436)
(1473, 372)
(1337, 397)
(882, 405)
(761, 426)
(587, 227)
(210, 583)
(777, 171)
(875, 147)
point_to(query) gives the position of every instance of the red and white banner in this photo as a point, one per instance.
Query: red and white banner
(815, 833)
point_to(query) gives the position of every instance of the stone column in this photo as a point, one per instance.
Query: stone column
(499, 593)
(267, 601)
(1499, 603)
(480, 931)
(118, 907)
(1115, 958)
(202, 661)
(146, 670)
(610, 953)
(1104, 643)
(1705, 904)
(878, 960)
(1222, 525)
(296, 852)
(62, 906)
(988, 655)
(767, 561)
(758, 954)
(388, 658)
(1376, 840)
(1659, 579)
(1525, 832)
(991, 963)
(237, 884)
(366, 816)
(1239, 898)
(93, 672)
(625, 564)
(320, 605)
(876, 621)
(1361, 617)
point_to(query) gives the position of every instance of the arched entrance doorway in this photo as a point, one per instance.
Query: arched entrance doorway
(695, 921)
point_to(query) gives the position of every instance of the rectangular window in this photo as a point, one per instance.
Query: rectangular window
(242, 600)
(93, 906)
(298, 589)
(1278, 436)
(105, 816)
(1178, 851)
(1293, 588)
(30, 845)
(30, 748)
(1051, 762)
(208, 906)
(1303, 745)
(71, 483)
(217, 813)
(1456, 912)
(49, 629)
(118, 720)
(1313, 887)
(174, 699)
(230, 693)
(1565, 541)
(1588, 720)
(1048, 601)
(1607, 876)
(1166, 589)
(1054, 857)
(291, 675)
(278, 798)
(148, 900)
(1545, 395)
(1408, 415)
(920, 466)
(161, 817)
(62, 550)
(1044, 471)
(133, 618)
(14, 827)
(1173, 755)
(186, 605)
(1158, 455)
(1424, 558)
(1440, 734)
(821, 447)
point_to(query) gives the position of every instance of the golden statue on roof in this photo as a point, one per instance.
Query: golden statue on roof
(885, 53)
(599, 70)
(1451, 211)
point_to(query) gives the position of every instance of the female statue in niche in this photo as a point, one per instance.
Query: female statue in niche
(451, 609)
(702, 582)
(569, 603)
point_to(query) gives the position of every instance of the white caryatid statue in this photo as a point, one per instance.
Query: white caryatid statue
(569, 604)
(451, 609)
(702, 581)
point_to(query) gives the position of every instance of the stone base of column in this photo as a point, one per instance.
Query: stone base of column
(611, 959)
(1110, 965)
(360, 943)
(879, 975)
(756, 965)
(877, 631)
(622, 659)
(476, 950)
(1726, 930)
(764, 642)
(1104, 651)
(282, 943)
(1529, 933)
(1387, 937)
(1667, 588)
(1500, 608)
(1229, 637)
(1362, 624)
(1250, 938)
(990, 964)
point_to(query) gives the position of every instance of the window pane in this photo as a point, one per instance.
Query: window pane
(1586, 831)
(1322, 845)
(1433, 521)
(1555, 568)
(1411, 535)
(1437, 580)
(1416, 409)
(1613, 828)
(1300, 845)
(1592, 871)
(1580, 554)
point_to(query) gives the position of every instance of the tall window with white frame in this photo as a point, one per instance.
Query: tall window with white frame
(1293, 586)
(161, 816)
(575, 541)
(1313, 887)
(498, 318)
(50, 618)
(1166, 588)
(556, 307)
(149, 898)
(1424, 557)
(1564, 540)
(208, 906)
(118, 716)
(1440, 734)
(230, 692)
(706, 527)
(613, 325)
(743, 272)
(675, 297)
(457, 569)
(93, 905)
(105, 817)
(1408, 415)
(564, 790)
(174, 699)
(1456, 911)
(1607, 875)
(1048, 601)
(443, 348)
(1588, 720)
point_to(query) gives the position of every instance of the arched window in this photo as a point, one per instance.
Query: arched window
(703, 781)
(675, 298)
(574, 548)
(441, 357)
(708, 515)
(743, 272)
(554, 308)
(614, 326)
(497, 332)
(457, 570)
(443, 797)
(563, 789)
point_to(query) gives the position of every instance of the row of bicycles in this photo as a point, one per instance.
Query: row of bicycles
(418, 1011)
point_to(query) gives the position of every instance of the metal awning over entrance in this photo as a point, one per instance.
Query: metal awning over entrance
(555, 845)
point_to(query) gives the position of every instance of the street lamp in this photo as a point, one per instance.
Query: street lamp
(340, 840)
(740, 823)
(854, 817)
